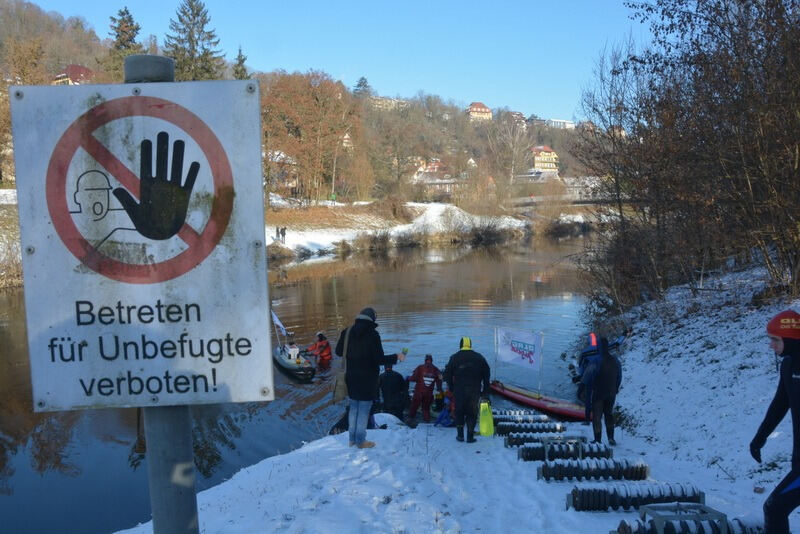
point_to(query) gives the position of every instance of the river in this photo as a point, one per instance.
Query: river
(79, 471)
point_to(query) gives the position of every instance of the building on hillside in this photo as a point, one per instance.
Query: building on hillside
(387, 104)
(281, 169)
(73, 75)
(437, 181)
(535, 121)
(347, 141)
(582, 187)
(545, 159)
(519, 119)
(559, 124)
(478, 111)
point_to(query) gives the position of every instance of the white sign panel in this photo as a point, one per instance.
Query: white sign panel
(142, 228)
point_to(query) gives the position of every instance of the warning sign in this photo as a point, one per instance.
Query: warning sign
(142, 227)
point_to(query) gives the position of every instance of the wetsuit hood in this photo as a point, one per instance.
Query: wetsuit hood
(791, 347)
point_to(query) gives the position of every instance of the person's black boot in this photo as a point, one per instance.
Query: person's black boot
(460, 433)
(611, 440)
(597, 438)
(470, 435)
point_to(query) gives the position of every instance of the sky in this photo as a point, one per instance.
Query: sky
(532, 56)
(697, 379)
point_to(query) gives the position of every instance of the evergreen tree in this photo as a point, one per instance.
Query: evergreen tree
(239, 70)
(193, 45)
(362, 88)
(123, 31)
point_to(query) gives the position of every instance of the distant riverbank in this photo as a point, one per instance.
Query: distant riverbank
(330, 231)
(342, 229)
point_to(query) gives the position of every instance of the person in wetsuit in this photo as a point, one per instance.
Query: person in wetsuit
(426, 377)
(603, 392)
(784, 339)
(464, 374)
(321, 349)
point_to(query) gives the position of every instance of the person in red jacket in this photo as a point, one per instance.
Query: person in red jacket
(321, 349)
(426, 377)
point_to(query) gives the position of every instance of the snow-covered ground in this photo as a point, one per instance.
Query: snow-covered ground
(8, 196)
(434, 218)
(697, 378)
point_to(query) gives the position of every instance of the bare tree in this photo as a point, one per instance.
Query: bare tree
(509, 143)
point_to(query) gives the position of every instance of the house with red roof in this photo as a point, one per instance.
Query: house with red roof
(73, 75)
(545, 159)
(478, 111)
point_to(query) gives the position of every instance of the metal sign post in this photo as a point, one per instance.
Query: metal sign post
(142, 229)
(168, 429)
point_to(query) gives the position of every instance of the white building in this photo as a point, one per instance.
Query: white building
(560, 124)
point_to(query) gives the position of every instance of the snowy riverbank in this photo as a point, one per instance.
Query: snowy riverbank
(434, 218)
(698, 376)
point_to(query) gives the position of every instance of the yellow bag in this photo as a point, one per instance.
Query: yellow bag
(486, 420)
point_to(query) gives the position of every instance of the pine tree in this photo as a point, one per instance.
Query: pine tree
(362, 88)
(192, 45)
(239, 70)
(123, 31)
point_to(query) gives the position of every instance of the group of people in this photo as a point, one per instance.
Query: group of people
(280, 234)
(466, 376)
(394, 390)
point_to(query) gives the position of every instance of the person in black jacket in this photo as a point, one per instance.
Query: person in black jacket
(784, 338)
(464, 374)
(364, 353)
(604, 390)
(394, 392)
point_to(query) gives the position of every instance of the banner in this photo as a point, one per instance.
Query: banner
(519, 347)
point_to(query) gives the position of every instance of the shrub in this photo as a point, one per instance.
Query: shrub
(486, 235)
(410, 240)
(378, 242)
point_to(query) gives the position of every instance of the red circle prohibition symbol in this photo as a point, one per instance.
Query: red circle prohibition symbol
(80, 134)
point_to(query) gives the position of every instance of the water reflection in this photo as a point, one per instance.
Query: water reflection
(84, 469)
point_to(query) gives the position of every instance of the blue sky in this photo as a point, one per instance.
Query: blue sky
(531, 56)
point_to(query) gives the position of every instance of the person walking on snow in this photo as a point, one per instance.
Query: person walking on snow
(784, 339)
(426, 376)
(321, 349)
(363, 360)
(604, 392)
(394, 392)
(589, 368)
(465, 372)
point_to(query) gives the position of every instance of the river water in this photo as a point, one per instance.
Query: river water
(79, 472)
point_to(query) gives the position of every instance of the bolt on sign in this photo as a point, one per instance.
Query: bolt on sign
(143, 246)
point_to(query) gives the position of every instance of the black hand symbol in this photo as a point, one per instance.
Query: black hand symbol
(163, 202)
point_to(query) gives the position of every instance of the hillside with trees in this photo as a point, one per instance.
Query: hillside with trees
(320, 138)
(697, 138)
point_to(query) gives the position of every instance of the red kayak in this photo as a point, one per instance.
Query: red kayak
(551, 405)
